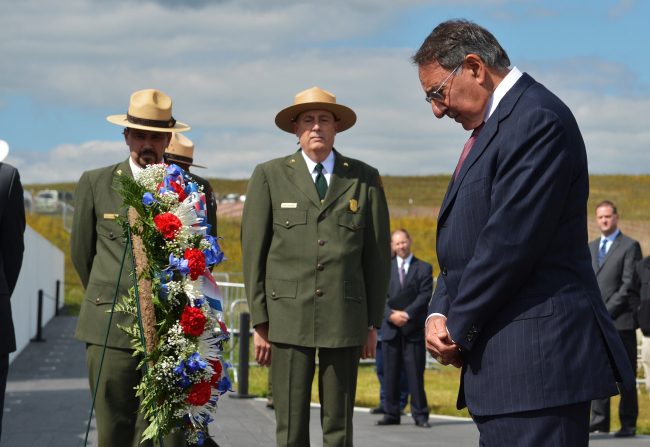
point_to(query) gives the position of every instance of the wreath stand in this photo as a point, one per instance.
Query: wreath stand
(146, 310)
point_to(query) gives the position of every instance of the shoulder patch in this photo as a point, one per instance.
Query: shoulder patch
(381, 185)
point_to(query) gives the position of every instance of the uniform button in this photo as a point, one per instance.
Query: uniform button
(97, 300)
(354, 227)
(321, 217)
(110, 234)
(360, 298)
(272, 293)
(444, 271)
(321, 242)
(320, 267)
(287, 223)
(319, 292)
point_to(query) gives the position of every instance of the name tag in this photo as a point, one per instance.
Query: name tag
(289, 205)
(110, 216)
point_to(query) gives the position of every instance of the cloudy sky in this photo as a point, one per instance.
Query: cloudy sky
(231, 65)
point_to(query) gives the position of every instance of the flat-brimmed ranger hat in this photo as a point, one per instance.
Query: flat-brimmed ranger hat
(149, 110)
(181, 149)
(315, 99)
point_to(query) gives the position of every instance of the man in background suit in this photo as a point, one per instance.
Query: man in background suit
(614, 257)
(12, 228)
(409, 293)
(517, 304)
(96, 247)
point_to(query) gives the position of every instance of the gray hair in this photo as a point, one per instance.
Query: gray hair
(451, 41)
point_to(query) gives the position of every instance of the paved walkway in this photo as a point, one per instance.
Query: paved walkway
(48, 400)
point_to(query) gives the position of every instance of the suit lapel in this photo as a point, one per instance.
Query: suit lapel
(611, 250)
(412, 269)
(299, 175)
(487, 133)
(340, 181)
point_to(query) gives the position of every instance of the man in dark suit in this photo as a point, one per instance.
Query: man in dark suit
(517, 304)
(409, 293)
(614, 257)
(12, 228)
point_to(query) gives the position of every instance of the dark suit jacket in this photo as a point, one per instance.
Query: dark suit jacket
(516, 280)
(12, 246)
(419, 279)
(615, 277)
(639, 292)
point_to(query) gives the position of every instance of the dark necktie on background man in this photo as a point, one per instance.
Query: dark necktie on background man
(321, 183)
(602, 252)
(402, 274)
(467, 148)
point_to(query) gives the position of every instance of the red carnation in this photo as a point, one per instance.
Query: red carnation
(195, 261)
(216, 366)
(200, 394)
(193, 321)
(168, 225)
(178, 190)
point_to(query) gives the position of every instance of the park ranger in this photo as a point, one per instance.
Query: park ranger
(96, 247)
(316, 261)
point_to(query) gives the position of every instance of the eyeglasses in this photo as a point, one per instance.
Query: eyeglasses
(436, 96)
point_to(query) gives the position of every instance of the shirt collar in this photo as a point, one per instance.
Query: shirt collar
(506, 84)
(610, 238)
(406, 261)
(328, 164)
(135, 169)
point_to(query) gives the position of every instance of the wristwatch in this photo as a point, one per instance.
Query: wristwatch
(370, 328)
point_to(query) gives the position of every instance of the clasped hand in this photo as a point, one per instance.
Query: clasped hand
(439, 343)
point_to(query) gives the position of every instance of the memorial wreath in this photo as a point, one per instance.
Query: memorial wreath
(178, 326)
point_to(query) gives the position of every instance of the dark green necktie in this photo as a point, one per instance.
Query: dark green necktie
(321, 183)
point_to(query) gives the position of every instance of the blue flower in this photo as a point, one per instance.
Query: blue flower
(184, 381)
(164, 292)
(207, 419)
(180, 264)
(148, 199)
(190, 188)
(199, 303)
(175, 171)
(201, 438)
(224, 384)
(213, 255)
(194, 363)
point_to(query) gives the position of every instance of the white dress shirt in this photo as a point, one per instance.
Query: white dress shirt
(135, 169)
(328, 166)
(609, 240)
(506, 84)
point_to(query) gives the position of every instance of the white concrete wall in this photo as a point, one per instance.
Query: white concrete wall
(43, 265)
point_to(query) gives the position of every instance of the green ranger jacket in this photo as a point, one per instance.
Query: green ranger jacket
(96, 248)
(317, 272)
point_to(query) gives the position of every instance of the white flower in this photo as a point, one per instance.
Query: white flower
(193, 289)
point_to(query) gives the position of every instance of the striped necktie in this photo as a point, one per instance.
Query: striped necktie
(467, 148)
(602, 252)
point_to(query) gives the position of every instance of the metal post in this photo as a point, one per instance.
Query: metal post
(244, 339)
(56, 300)
(39, 321)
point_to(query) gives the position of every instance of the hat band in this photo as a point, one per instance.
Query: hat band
(151, 123)
(180, 158)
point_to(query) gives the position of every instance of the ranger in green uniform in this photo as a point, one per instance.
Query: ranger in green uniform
(316, 260)
(96, 246)
(181, 153)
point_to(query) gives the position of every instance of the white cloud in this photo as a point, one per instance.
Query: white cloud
(230, 66)
(66, 162)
